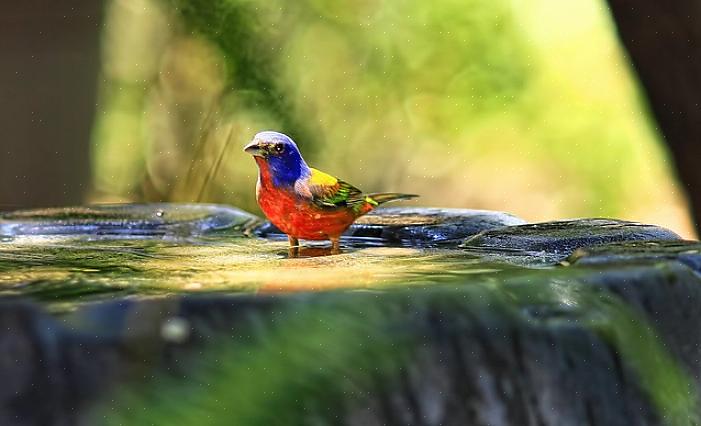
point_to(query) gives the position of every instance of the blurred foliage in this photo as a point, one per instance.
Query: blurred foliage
(325, 361)
(520, 106)
(292, 362)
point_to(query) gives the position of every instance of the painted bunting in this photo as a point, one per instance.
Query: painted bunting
(303, 202)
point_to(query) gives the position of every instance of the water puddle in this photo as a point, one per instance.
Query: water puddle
(64, 257)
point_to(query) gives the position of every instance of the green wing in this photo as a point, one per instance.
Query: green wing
(329, 192)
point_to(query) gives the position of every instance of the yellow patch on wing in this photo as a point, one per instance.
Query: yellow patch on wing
(322, 179)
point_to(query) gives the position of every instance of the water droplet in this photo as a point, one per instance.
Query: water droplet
(175, 330)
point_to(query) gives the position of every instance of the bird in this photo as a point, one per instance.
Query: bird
(303, 202)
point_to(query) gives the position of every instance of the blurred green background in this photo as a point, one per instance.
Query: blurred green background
(524, 106)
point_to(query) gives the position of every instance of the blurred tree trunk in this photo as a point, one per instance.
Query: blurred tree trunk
(663, 39)
(48, 85)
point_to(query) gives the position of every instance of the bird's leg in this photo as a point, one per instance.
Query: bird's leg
(335, 245)
(294, 246)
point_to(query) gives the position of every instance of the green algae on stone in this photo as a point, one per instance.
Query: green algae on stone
(639, 252)
(274, 382)
(668, 385)
(331, 361)
(639, 345)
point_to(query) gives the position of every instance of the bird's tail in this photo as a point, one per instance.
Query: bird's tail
(383, 197)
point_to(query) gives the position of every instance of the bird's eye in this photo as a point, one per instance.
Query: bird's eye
(278, 148)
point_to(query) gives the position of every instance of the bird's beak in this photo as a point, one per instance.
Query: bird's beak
(254, 149)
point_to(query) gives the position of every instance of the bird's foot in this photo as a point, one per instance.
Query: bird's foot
(293, 251)
(335, 245)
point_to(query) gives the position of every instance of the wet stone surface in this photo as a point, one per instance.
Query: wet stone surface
(462, 316)
(640, 252)
(126, 220)
(409, 226)
(550, 242)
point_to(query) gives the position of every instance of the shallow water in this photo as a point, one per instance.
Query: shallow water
(68, 257)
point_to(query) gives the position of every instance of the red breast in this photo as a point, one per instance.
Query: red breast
(296, 216)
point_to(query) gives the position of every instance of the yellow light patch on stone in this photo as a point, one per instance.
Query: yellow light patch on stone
(391, 251)
(232, 267)
(192, 286)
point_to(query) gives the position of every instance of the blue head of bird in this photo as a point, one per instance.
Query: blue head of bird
(281, 155)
